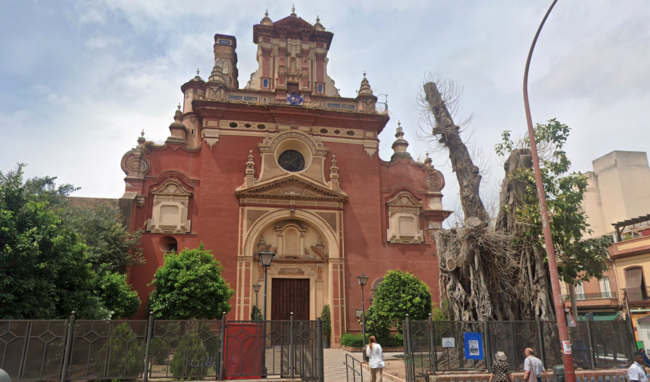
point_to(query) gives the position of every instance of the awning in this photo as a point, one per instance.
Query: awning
(603, 316)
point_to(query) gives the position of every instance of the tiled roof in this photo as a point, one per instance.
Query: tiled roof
(74, 201)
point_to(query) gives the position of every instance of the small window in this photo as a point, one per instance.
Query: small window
(350, 133)
(337, 132)
(233, 124)
(247, 125)
(261, 126)
(319, 88)
(324, 131)
(265, 83)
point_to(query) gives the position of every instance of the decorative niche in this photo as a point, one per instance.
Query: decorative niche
(170, 209)
(404, 220)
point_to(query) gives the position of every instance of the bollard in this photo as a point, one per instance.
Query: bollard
(558, 373)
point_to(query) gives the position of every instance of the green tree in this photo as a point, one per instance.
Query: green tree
(578, 260)
(44, 270)
(400, 293)
(190, 285)
(109, 242)
(115, 294)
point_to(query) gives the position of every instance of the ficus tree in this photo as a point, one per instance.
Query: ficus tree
(494, 267)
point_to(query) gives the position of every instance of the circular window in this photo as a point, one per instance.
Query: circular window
(350, 133)
(233, 124)
(292, 160)
(261, 126)
(324, 131)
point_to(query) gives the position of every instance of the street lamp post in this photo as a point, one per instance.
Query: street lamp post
(363, 279)
(256, 288)
(266, 257)
(563, 330)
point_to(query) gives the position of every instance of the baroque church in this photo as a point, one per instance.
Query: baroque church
(284, 164)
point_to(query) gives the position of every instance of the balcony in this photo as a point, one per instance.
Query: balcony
(592, 296)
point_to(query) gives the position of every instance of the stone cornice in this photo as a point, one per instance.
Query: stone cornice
(290, 115)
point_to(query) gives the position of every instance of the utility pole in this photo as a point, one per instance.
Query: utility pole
(574, 303)
(563, 330)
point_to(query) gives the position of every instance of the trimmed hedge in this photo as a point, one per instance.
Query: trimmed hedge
(356, 340)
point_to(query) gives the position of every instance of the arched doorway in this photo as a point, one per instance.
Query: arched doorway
(306, 274)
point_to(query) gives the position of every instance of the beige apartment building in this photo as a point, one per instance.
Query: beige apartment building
(618, 189)
(618, 192)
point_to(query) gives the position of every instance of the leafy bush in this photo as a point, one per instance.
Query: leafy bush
(400, 293)
(352, 340)
(394, 341)
(190, 362)
(159, 351)
(355, 340)
(327, 321)
(190, 285)
(117, 296)
(256, 315)
(122, 363)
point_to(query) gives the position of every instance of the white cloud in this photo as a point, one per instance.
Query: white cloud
(83, 78)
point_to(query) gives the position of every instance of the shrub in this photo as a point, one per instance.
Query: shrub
(190, 285)
(126, 354)
(159, 351)
(190, 362)
(256, 315)
(352, 340)
(355, 340)
(327, 321)
(400, 293)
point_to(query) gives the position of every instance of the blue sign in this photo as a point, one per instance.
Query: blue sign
(473, 345)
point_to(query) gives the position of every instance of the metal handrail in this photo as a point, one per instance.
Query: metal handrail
(354, 369)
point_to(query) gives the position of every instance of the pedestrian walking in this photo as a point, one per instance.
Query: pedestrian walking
(533, 367)
(376, 359)
(646, 361)
(501, 369)
(636, 372)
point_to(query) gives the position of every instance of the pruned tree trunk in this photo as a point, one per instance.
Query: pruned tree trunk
(469, 177)
(485, 273)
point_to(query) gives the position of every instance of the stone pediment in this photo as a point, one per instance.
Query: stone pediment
(293, 22)
(291, 186)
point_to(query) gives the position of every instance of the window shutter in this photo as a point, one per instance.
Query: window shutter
(634, 284)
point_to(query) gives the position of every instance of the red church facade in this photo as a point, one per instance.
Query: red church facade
(288, 165)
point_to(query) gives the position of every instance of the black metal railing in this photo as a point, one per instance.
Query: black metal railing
(440, 346)
(63, 350)
(351, 366)
(592, 296)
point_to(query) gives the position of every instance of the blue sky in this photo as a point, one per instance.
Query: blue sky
(80, 79)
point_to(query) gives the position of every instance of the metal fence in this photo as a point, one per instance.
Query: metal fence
(439, 346)
(59, 350)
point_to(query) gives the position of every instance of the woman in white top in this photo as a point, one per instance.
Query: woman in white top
(376, 359)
